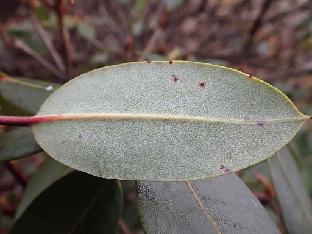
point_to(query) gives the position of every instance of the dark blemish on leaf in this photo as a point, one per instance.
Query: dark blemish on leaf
(170, 61)
(202, 84)
(80, 136)
(148, 61)
(225, 169)
(249, 76)
(174, 78)
(63, 142)
(260, 123)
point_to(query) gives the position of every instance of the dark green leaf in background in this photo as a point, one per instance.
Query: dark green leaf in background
(75, 203)
(291, 192)
(17, 143)
(222, 204)
(22, 96)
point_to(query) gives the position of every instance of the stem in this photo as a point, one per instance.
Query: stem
(258, 22)
(26, 120)
(19, 175)
(44, 36)
(61, 10)
(20, 45)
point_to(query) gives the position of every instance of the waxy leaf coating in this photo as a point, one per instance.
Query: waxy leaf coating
(165, 121)
(220, 205)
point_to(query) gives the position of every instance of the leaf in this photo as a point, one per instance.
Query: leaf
(291, 193)
(165, 121)
(17, 143)
(50, 172)
(20, 96)
(222, 204)
(75, 203)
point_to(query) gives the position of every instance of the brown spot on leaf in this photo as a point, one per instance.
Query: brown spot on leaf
(174, 78)
(225, 169)
(260, 123)
(80, 136)
(202, 84)
(148, 61)
(170, 61)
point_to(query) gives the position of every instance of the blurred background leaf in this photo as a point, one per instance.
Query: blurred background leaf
(221, 204)
(69, 202)
(22, 96)
(17, 143)
(292, 195)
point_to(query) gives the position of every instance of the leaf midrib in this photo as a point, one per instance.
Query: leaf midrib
(166, 117)
(203, 208)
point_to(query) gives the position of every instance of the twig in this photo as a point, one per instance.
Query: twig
(17, 173)
(60, 9)
(279, 16)
(151, 43)
(47, 42)
(122, 226)
(18, 44)
(258, 22)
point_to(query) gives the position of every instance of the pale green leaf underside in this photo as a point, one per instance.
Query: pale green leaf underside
(161, 121)
(219, 205)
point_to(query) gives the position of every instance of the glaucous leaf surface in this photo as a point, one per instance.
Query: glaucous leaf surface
(166, 121)
(291, 193)
(17, 143)
(222, 204)
(20, 96)
(74, 203)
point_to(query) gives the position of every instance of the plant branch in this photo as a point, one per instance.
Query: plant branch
(17, 173)
(27, 120)
(258, 22)
(60, 8)
(44, 36)
(20, 45)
